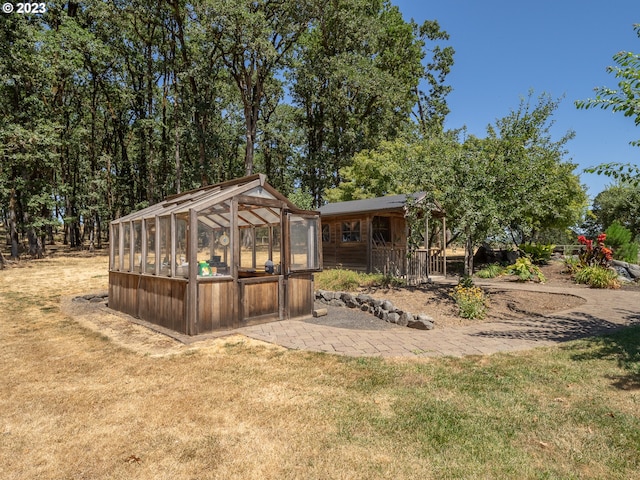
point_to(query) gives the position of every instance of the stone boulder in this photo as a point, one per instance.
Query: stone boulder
(421, 322)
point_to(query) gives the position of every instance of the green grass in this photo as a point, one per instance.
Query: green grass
(77, 405)
(339, 279)
(565, 412)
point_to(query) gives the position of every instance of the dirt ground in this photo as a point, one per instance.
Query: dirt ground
(435, 300)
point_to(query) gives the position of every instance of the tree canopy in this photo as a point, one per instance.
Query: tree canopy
(111, 106)
(625, 99)
(514, 183)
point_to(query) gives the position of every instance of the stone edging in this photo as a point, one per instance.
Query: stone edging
(383, 309)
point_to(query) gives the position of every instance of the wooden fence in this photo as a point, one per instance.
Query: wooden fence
(416, 268)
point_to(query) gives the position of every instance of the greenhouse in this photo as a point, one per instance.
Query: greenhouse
(220, 257)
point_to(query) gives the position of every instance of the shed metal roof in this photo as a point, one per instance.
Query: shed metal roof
(378, 204)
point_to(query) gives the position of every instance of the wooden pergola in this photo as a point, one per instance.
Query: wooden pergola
(223, 256)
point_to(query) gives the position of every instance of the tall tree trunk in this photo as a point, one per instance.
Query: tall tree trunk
(13, 226)
(468, 254)
(35, 246)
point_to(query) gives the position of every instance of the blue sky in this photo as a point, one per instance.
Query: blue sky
(505, 48)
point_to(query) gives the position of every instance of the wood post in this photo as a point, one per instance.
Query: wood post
(192, 289)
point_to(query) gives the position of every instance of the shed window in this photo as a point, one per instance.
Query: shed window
(381, 229)
(214, 238)
(126, 255)
(351, 231)
(326, 233)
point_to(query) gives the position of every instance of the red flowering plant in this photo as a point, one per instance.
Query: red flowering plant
(595, 255)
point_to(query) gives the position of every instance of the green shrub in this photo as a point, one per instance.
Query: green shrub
(621, 240)
(571, 264)
(618, 235)
(538, 253)
(525, 270)
(628, 253)
(343, 280)
(490, 271)
(597, 277)
(472, 301)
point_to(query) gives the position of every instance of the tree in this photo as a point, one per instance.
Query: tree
(514, 182)
(619, 203)
(254, 41)
(28, 135)
(625, 99)
(536, 187)
(355, 78)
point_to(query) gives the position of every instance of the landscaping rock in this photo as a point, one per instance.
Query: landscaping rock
(404, 319)
(634, 271)
(618, 263)
(388, 306)
(383, 309)
(421, 322)
(324, 295)
(362, 298)
(622, 272)
(393, 317)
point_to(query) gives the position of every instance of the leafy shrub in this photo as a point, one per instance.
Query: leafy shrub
(538, 253)
(490, 271)
(628, 253)
(525, 270)
(571, 264)
(620, 239)
(466, 281)
(389, 281)
(471, 300)
(618, 235)
(595, 255)
(597, 276)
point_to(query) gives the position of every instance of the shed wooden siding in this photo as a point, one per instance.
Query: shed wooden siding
(359, 256)
(123, 292)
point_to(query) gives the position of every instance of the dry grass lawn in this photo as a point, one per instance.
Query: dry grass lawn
(80, 404)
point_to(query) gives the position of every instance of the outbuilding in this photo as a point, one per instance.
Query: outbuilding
(219, 257)
(372, 235)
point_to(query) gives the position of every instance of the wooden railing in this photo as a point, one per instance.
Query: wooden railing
(415, 269)
(390, 261)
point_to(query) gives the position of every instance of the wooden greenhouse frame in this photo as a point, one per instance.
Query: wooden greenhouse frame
(223, 256)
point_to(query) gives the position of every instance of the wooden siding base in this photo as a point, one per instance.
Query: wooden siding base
(223, 304)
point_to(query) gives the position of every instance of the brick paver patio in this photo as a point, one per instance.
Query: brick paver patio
(604, 311)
